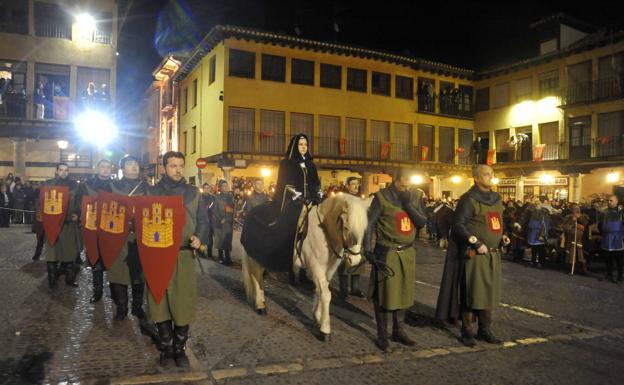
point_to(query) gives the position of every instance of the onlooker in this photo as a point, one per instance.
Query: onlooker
(40, 100)
(5, 205)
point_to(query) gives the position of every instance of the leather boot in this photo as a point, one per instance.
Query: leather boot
(165, 333)
(120, 297)
(355, 287)
(180, 335)
(485, 332)
(70, 275)
(137, 300)
(398, 334)
(382, 329)
(220, 256)
(52, 274)
(227, 261)
(98, 284)
(343, 282)
(467, 335)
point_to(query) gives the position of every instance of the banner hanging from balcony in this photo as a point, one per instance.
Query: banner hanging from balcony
(424, 152)
(54, 203)
(265, 134)
(460, 150)
(159, 221)
(538, 152)
(342, 146)
(490, 157)
(385, 150)
(61, 107)
(603, 140)
(114, 212)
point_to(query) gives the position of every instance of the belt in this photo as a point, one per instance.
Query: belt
(403, 247)
(493, 249)
(186, 248)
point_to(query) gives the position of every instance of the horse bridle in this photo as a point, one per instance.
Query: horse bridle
(345, 249)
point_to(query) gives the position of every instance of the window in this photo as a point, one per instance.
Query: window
(240, 129)
(549, 84)
(523, 89)
(14, 74)
(501, 95)
(185, 100)
(194, 139)
(404, 87)
(579, 83)
(482, 102)
(302, 72)
(329, 135)
(356, 80)
(52, 82)
(579, 129)
(103, 32)
(273, 68)
(194, 92)
(213, 70)
(331, 76)
(380, 140)
(272, 132)
(425, 142)
(465, 100)
(501, 144)
(303, 124)
(465, 143)
(610, 75)
(610, 134)
(184, 143)
(99, 77)
(355, 131)
(14, 16)
(447, 98)
(402, 147)
(381, 83)
(52, 21)
(242, 64)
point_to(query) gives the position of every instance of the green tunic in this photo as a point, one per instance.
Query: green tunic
(483, 271)
(394, 228)
(126, 270)
(180, 301)
(69, 242)
(223, 211)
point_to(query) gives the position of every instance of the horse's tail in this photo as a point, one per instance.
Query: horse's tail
(247, 271)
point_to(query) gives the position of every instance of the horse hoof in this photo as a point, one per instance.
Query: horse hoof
(325, 337)
(261, 311)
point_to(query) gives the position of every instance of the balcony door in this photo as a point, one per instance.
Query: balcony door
(580, 137)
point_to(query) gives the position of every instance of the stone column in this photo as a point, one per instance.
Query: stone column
(227, 173)
(576, 184)
(436, 188)
(19, 157)
(520, 189)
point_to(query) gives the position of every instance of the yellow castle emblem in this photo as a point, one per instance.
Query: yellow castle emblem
(91, 216)
(495, 223)
(53, 202)
(113, 217)
(406, 224)
(156, 231)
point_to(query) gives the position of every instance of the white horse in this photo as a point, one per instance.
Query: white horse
(335, 230)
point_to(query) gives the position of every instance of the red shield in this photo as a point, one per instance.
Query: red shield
(494, 221)
(89, 220)
(159, 221)
(54, 201)
(403, 223)
(114, 212)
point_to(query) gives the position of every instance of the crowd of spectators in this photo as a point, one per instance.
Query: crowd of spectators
(17, 200)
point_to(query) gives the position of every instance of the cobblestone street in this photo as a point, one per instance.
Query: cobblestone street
(557, 329)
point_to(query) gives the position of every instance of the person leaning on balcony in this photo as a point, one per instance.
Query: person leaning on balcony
(40, 101)
(178, 307)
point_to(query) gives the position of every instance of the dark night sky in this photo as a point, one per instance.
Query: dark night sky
(465, 34)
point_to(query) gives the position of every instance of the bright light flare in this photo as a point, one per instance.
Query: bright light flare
(96, 127)
(62, 144)
(547, 179)
(456, 179)
(416, 179)
(613, 177)
(265, 172)
(495, 180)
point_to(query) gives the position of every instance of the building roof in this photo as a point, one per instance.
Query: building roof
(222, 32)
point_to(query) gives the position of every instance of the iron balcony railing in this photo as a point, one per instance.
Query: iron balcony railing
(275, 144)
(538, 153)
(593, 91)
(609, 146)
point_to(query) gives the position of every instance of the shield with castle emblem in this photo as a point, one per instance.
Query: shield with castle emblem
(88, 218)
(114, 213)
(159, 221)
(54, 201)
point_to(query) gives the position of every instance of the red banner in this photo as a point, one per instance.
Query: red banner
(89, 220)
(114, 212)
(385, 150)
(490, 157)
(538, 152)
(54, 201)
(265, 134)
(159, 221)
(342, 147)
(61, 108)
(424, 152)
(460, 150)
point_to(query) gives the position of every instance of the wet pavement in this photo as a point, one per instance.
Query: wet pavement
(556, 328)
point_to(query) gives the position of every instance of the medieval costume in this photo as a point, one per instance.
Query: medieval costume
(611, 226)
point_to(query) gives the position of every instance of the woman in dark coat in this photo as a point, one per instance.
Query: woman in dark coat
(269, 230)
(299, 172)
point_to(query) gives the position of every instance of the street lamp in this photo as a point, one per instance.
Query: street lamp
(62, 144)
(95, 127)
(495, 180)
(85, 25)
(265, 172)
(416, 179)
(455, 179)
(613, 177)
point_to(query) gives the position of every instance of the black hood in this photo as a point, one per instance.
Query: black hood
(293, 152)
(486, 197)
(169, 184)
